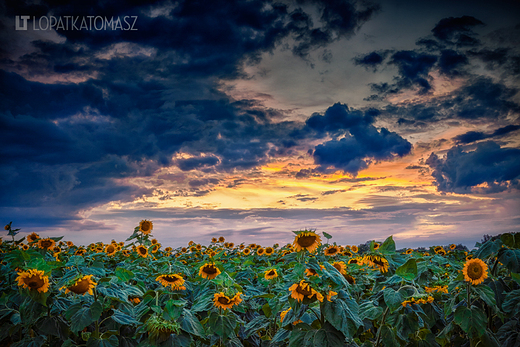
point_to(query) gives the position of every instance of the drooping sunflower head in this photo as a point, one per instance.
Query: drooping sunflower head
(145, 226)
(80, 251)
(142, 251)
(270, 274)
(70, 244)
(110, 250)
(82, 286)
(475, 271)
(269, 250)
(302, 291)
(331, 250)
(377, 261)
(33, 280)
(47, 243)
(311, 272)
(307, 240)
(175, 281)
(350, 279)
(340, 266)
(347, 253)
(354, 249)
(283, 314)
(32, 237)
(226, 302)
(209, 271)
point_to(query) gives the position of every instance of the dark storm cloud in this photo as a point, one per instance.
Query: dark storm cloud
(472, 136)
(371, 60)
(457, 30)
(462, 170)
(147, 94)
(362, 143)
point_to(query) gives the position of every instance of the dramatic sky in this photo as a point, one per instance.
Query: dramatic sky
(249, 119)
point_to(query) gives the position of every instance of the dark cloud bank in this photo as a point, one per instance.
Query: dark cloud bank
(68, 145)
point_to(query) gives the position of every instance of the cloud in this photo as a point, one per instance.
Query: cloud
(371, 60)
(488, 169)
(473, 136)
(362, 142)
(457, 30)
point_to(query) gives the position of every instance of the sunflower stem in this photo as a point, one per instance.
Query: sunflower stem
(379, 330)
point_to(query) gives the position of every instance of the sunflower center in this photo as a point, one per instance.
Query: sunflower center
(271, 273)
(145, 226)
(142, 250)
(171, 279)
(34, 282)
(474, 271)
(224, 300)
(210, 269)
(337, 266)
(306, 241)
(46, 244)
(303, 291)
(80, 287)
(110, 249)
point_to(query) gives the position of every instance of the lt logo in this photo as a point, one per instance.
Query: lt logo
(23, 20)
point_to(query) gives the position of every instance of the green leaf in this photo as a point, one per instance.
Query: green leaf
(486, 250)
(368, 310)
(267, 310)
(486, 294)
(123, 274)
(81, 319)
(393, 299)
(388, 246)
(343, 314)
(222, 325)
(123, 318)
(408, 270)
(472, 320)
(191, 324)
(327, 235)
(255, 325)
(110, 342)
(511, 259)
(388, 336)
(512, 302)
(508, 240)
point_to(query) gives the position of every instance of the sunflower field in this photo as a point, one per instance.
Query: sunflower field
(309, 292)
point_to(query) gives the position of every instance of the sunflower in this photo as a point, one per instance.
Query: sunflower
(241, 246)
(308, 240)
(350, 279)
(354, 249)
(209, 271)
(409, 251)
(134, 301)
(25, 247)
(221, 239)
(475, 271)
(331, 251)
(32, 237)
(269, 250)
(311, 272)
(156, 247)
(453, 246)
(184, 249)
(270, 274)
(173, 280)
(347, 253)
(231, 245)
(303, 290)
(330, 294)
(82, 286)
(145, 226)
(168, 249)
(125, 252)
(34, 280)
(142, 251)
(70, 244)
(340, 266)
(246, 251)
(110, 250)
(154, 241)
(47, 243)
(377, 261)
(283, 314)
(80, 251)
(193, 249)
(356, 260)
(376, 245)
(223, 301)
(214, 240)
(441, 251)
(252, 245)
(260, 251)
(469, 257)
